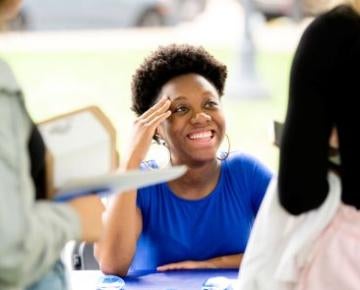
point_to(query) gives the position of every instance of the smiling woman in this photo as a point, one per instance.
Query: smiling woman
(203, 219)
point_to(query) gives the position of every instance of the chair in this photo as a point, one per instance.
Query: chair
(82, 257)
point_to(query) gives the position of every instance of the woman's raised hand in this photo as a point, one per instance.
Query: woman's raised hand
(143, 131)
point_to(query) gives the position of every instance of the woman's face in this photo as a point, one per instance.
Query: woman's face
(196, 127)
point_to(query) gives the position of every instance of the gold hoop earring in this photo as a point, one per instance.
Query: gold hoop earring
(224, 155)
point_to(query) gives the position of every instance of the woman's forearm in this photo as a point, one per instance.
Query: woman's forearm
(122, 222)
(223, 262)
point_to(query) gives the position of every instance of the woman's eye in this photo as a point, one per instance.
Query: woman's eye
(180, 109)
(211, 104)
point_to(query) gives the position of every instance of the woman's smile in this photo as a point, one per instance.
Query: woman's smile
(201, 138)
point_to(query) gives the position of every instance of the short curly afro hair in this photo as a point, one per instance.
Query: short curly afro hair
(168, 62)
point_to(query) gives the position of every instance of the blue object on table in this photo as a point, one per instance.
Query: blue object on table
(110, 282)
(217, 283)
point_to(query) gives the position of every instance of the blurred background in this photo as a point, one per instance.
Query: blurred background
(72, 53)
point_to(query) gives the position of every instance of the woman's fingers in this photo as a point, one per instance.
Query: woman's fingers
(181, 265)
(160, 110)
(155, 115)
(168, 267)
(143, 132)
(160, 106)
(155, 122)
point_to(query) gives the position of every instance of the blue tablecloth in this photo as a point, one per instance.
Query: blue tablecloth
(175, 280)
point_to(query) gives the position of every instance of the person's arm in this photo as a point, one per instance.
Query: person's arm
(123, 220)
(123, 225)
(223, 262)
(32, 234)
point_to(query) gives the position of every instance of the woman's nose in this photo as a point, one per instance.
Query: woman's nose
(200, 117)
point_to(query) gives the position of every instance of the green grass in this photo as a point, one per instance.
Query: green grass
(56, 82)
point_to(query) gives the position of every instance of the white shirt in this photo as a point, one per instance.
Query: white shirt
(280, 243)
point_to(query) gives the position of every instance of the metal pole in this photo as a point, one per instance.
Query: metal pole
(297, 10)
(247, 50)
(243, 79)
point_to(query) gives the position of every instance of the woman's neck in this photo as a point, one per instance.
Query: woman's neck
(198, 181)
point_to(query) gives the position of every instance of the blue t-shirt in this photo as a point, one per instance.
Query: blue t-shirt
(176, 229)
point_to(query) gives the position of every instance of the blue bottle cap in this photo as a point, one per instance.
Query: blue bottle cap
(110, 282)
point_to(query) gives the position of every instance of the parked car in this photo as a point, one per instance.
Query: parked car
(78, 14)
(290, 8)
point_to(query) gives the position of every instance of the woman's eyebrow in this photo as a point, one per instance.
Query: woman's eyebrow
(179, 98)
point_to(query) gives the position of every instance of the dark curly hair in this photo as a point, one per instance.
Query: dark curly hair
(168, 62)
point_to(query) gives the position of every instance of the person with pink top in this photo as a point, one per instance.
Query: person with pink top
(306, 235)
(323, 93)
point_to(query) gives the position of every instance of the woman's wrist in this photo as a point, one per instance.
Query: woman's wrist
(131, 164)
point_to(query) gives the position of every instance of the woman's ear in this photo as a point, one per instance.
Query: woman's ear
(159, 135)
(160, 132)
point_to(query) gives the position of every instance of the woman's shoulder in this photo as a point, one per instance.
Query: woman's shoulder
(246, 165)
(7, 78)
(239, 158)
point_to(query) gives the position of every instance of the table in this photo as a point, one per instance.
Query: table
(172, 280)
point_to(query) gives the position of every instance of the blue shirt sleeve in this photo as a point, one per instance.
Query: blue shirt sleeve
(261, 180)
(257, 177)
(143, 194)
